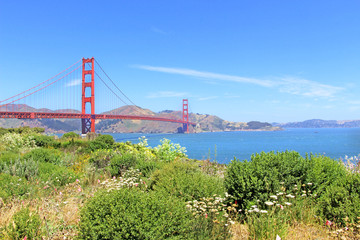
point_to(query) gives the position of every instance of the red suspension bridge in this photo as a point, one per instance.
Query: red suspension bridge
(62, 92)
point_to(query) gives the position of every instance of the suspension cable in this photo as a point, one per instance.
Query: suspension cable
(40, 83)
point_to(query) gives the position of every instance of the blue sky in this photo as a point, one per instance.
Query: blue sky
(275, 61)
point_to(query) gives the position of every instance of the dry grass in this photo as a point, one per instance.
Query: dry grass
(299, 232)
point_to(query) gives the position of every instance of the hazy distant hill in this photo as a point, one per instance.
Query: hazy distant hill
(318, 123)
(205, 123)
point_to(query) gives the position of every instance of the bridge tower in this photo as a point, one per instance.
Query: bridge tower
(185, 116)
(88, 95)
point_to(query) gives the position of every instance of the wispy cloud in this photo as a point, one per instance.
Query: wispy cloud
(157, 30)
(290, 85)
(73, 83)
(166, 94)
(207, 98)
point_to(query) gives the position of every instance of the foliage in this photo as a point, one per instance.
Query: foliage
(101, 158)
(169, 151)
(56, 175)
(45, 155)
(45, 141)
(16, 141)
(12, 186)
(261, 176)
(131, 178)
(185, 180)
(121, 162)
(70, 135)
(102, 142)
(22, 168)
(25, 225)
(133, 214)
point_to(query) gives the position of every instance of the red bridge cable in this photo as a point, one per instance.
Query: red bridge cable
(115, 84)
(110, 89)
(137, 108)
(42, 87)
(41, 83)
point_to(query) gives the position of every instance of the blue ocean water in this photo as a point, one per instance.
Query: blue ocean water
(224, 146)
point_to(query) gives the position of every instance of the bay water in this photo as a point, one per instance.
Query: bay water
(224, 146)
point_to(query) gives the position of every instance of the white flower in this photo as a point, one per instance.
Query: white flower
(309, 183)
(274, 197)
(254, 206)
(304, 195)
(263, 211)
(288, 204)
(269, 203)
(256, 210)
(290, 196)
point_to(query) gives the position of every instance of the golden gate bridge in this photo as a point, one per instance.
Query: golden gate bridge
(60, 92)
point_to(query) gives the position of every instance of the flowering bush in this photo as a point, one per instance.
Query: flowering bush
(131, 178)
(16, 141)
(169, 151)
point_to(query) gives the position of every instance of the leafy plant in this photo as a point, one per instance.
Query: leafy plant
(12, 186)
(25, 224)
(185, 180)
(169, 151)
(45, 155)
(133, 214)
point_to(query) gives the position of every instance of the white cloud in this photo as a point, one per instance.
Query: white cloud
(75, 82)
(167, 94)
(296, 86)
(207, 98)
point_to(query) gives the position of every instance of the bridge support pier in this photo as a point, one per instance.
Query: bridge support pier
(88, 124)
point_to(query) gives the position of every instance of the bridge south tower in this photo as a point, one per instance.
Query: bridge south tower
(88, 95)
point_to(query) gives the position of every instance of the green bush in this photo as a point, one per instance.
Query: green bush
(46, 141)
(56, 175)
(45, 155)
(185, 180)
(24, 224)
(22, 168)
(101, 158)
(76, 145)
(122, 162)
(260, 177)
(133, 214)
(70, 135)
(12, 186)
(169, 151)
(102, 142)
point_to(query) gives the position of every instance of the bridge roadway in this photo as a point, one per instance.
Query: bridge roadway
(34, 115)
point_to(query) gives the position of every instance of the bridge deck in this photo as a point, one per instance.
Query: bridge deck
(34, 115)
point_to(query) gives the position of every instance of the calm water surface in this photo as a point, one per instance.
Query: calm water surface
(224, 146)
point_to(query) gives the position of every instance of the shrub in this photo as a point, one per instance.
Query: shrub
(12, 186)
(45, 155)
(169, 151)
(122, 162)
(102, 142)
(185, 180)
(46, 141)
(16, 141)
(24, 224)
(257, 179)
(133, 214)
(70, 135)
(56, 175)
(101, 158)
(22, 168)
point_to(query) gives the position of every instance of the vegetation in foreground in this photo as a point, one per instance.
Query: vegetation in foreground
(95, 188)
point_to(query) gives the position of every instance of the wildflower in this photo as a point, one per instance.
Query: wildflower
(60, 193)
(98, 180)
(280, 193)
(77, 180)
(79, 189)
(136, 184)
(114, 177)
(304, 195)
(269, 203)
(274, 197)
(282, 183)
(290, 196)
(328, 223)
(256, 210)
(263, 211)
(206, 216)
(287, 203)
(254, 206)
(309, 183)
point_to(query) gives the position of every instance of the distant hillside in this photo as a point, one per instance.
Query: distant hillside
(318, 123)
(205, 123)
